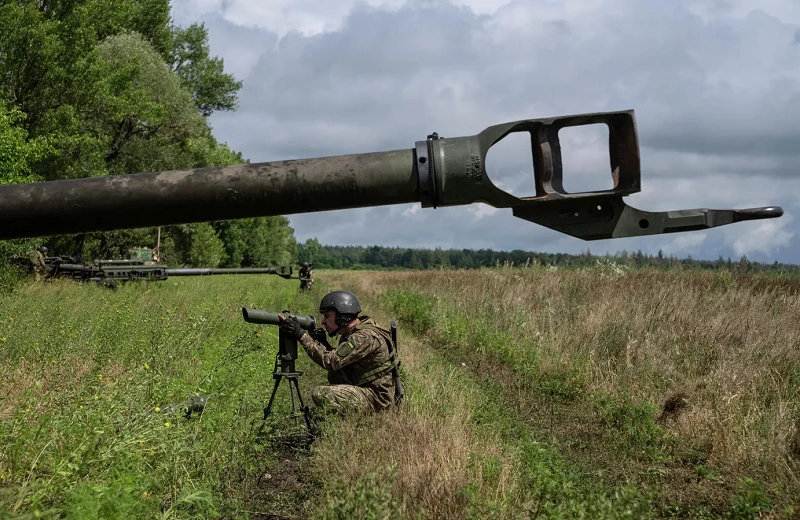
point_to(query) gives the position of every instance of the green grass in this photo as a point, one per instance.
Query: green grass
(523, 400)
(85, 372)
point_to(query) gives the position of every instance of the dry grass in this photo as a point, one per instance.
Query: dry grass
(432, 443)
(41, 384)
(730, 347)
(718, 353)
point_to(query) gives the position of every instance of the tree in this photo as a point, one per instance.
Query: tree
(313, 253)
(203, 75)
(111, 87)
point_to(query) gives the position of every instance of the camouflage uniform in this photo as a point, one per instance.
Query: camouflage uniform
(359, 370)
(306, 278)
(37, 262)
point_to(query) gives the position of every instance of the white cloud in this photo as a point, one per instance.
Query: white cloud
(764, 237)
(685, 244)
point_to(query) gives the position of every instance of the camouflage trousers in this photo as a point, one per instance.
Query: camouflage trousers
(343, 397)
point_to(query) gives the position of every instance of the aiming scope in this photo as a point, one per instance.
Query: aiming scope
(271, 318)
(286, 356)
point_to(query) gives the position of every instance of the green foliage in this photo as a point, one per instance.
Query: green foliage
(750, 501)
(369, 498)
(107, 87)
(144, 112)
(634, 426)
(206, 248)
(203, 75)
(415, 310)
(312, 251)
(256, 242)
(17, 152)
(12, 275)
(378, 257)
(84, 370)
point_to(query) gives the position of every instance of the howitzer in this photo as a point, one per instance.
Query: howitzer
(109, 273)
(437, 172)
(285, 358)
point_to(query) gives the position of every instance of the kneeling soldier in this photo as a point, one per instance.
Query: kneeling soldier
(360, 368)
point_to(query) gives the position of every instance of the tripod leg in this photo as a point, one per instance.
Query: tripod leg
(271, 398)
(303, 407)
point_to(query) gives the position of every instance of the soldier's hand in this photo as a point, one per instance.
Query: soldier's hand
(292, 327)
(320, 336)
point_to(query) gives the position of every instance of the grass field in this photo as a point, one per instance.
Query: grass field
(531, 392)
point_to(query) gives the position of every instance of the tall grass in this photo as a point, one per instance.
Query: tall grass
(597, 393)
(685, 383)
(86, 373)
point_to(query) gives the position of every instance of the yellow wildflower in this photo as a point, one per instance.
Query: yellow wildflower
(146, 366)
(158, 409)
(167, 425)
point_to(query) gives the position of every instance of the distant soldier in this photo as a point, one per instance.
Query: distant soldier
(36, 258)
(306, 276)
(360, 368)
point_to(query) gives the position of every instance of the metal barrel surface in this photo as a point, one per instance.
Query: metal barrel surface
(207, 194)
(436, 172)
(263, 317)
(200, 271)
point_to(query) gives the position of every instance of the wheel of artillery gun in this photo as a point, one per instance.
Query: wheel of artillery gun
(108, 283)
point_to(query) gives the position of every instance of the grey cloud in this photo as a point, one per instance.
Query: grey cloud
(717, 103)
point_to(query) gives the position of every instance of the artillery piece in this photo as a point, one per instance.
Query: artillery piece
(437, 172)
(110, 273)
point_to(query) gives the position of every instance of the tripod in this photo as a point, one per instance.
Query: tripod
(284, 368)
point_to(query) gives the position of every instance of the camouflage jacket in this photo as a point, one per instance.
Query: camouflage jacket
(361, 355)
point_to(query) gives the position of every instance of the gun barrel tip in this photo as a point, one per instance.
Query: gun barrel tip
(761, 213)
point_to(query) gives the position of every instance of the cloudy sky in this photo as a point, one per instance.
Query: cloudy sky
(715, 85)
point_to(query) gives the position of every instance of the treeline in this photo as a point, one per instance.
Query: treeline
(379, 257)
(112, 87)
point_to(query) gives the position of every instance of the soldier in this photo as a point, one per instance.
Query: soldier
(360, 368)
(306, 276)
(36, 257)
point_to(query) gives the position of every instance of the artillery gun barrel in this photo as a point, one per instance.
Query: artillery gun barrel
(206, 194)
(200, 271)
(74, 267)
(436, 172)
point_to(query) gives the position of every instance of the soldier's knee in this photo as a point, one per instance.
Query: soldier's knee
(318, 395)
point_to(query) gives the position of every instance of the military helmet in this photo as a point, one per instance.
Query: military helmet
(43, 249)
(304, 264)
(343, 302)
